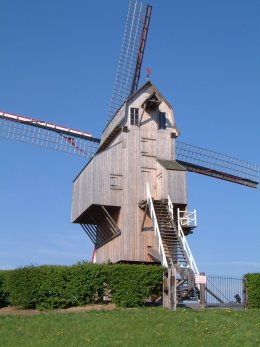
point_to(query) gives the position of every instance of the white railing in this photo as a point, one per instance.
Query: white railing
(187, 218)
(156, 227)
(183, 240)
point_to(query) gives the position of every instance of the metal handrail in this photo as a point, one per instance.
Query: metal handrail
(188, 219)
(183, 240)
(156, 226)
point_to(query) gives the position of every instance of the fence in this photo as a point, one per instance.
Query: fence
(224, 292)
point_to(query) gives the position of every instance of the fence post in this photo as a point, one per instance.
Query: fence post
(202, 293)
(169, 289)
(245, 302)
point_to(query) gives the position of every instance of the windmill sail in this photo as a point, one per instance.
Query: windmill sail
(210, 163)
(43, 134)
(82, 144)
(131, 55)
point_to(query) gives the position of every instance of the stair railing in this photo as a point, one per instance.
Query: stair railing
(183, 240)
(156, 227)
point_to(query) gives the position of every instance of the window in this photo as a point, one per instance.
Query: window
(162, 120)
(134, 116)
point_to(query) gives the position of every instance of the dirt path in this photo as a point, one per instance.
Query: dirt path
(29, 312)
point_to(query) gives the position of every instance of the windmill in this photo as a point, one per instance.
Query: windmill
(83, 144)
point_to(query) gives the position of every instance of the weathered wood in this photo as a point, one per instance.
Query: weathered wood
(118, 173)
(169, 289)
(202, 293)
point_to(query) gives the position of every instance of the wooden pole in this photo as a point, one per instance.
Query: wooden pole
(169, 289)
(202, 293)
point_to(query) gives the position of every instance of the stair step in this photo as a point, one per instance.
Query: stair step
(170, 239)
(170, 243)
(175, 246)
(182, 260)
(163, 223)
(173, 249)
(168, 226)
(174, 254)
(169, 234)
(168, 229)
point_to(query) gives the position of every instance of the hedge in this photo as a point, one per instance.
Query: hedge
(130, 285)
(3, 293)
(49, 287)
(252, 283)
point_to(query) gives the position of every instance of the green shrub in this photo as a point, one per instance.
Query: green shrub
(3, 293)
(49, 287)
(252, 282)
(132, 284)
(20, 285)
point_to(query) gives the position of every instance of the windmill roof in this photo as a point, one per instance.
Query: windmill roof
(144, 86)
(147, 84)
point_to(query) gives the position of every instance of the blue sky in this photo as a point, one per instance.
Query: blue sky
(58, 62)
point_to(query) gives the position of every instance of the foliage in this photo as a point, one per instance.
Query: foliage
(3, 292)
(50, 287)
(130, 285)
(252, 282)
(133, 327)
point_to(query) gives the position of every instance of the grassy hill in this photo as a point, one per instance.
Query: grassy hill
(133, 327)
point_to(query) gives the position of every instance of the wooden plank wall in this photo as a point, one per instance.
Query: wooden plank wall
(118, 175)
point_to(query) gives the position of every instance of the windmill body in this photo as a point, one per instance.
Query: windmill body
(137, 147)
(131, 197)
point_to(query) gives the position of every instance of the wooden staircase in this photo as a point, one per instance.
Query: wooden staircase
(173, 248)
(174, 251)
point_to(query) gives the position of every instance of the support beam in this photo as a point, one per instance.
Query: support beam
(202, 293)
(169, 289)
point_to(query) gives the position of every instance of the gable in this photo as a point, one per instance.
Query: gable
(146, 98)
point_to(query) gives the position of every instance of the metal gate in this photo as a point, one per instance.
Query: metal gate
(224, 291)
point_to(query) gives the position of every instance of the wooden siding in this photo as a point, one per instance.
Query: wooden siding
(93, 185)
(117, 120)
(118, 175)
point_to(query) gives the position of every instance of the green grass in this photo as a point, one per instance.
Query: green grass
(133, 327)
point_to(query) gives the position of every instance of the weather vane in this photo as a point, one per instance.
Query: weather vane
(148, 73)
